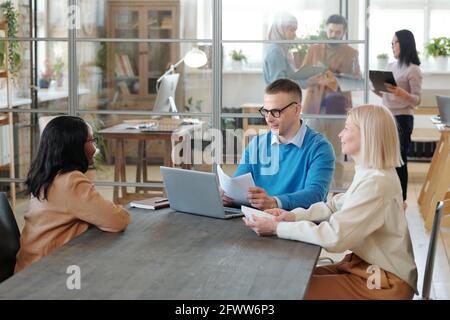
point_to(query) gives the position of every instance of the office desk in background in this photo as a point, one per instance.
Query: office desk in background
(437, 183)
(169, 255)
(169, 131)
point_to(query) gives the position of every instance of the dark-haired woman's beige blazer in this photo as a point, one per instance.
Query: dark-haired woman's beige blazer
(73, 205)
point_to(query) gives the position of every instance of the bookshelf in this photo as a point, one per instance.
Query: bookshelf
(6, 119)
(133, 68)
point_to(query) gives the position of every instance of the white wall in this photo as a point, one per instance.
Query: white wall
(4, 145)
(238, 88)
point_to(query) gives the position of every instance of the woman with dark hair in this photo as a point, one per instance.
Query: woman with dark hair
(64, 202)
(402, 98)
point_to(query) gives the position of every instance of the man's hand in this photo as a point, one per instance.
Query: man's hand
(259, 199)
(262, 226)
(281, 215)
(227, 201)
(328, 81)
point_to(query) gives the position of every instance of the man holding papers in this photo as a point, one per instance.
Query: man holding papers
(291, 165)
(330, 92)
(339, 59)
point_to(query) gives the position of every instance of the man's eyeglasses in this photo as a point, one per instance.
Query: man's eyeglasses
(276, 113)
(94, 140)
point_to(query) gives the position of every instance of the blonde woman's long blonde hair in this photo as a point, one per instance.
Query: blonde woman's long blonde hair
(380, 147)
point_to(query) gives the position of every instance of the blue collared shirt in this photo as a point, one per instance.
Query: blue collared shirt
(297, 173)
(296, 140)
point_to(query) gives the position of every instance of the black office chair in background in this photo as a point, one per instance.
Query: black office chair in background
(9, 239)
(428, 274)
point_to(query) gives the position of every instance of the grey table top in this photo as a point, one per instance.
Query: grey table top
(169, 255)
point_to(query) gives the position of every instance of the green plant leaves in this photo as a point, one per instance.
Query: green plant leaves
(13, 55)
(438, 47)
(238, 55)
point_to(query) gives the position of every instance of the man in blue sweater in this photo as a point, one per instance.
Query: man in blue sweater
(292, 165)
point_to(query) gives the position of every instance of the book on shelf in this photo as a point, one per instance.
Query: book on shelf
(124, 88)
(123, 66)
(120, 69)
(127, 63)
(166, 23)
(151, 203)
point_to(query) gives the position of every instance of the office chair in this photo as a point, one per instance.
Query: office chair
(428, 274)
(9, 239)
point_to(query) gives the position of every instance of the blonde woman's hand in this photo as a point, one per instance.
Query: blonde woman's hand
(281, 215)
(262, 226)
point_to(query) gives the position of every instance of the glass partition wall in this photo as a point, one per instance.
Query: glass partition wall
(124, 65)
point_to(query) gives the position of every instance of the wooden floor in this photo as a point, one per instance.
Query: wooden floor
(420, 238)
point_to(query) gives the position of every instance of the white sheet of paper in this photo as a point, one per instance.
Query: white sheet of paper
(249, 212)
(236, 187)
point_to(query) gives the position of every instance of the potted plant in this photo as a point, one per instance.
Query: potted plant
(382, 61)
(46, 76)
(439, 49)
(299, 50)
(237, 59)
(193, 107)
(58, 68)
(13, 54)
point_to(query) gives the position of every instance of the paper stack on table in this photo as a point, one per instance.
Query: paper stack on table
(237, 187)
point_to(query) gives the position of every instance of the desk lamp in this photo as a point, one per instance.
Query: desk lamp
(195, 58)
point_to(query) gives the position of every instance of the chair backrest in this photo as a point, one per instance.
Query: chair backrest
(9, 239)
(443, 103)
(428, 274)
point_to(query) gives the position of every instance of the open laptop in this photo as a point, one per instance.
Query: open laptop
(196, 192)
(443, 103)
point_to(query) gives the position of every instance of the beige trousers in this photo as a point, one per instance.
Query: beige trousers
(348, 280)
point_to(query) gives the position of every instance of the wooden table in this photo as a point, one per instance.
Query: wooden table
(437, 182)
(169, 131)
(169, 255)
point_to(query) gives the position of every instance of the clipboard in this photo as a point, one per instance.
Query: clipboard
(349, 82)
(379, 78)
(308, 71)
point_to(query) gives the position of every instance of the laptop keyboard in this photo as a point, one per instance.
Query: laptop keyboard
(232, 212)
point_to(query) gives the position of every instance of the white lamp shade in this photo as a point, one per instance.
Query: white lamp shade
(195, 58)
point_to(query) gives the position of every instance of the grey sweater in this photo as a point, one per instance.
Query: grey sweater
(410, 79)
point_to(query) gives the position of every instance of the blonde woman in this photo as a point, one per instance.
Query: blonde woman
(368, 219)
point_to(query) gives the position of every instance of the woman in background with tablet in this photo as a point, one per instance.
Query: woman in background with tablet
(403, 98)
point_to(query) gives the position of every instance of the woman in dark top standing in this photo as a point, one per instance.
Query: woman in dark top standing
(403, 98)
